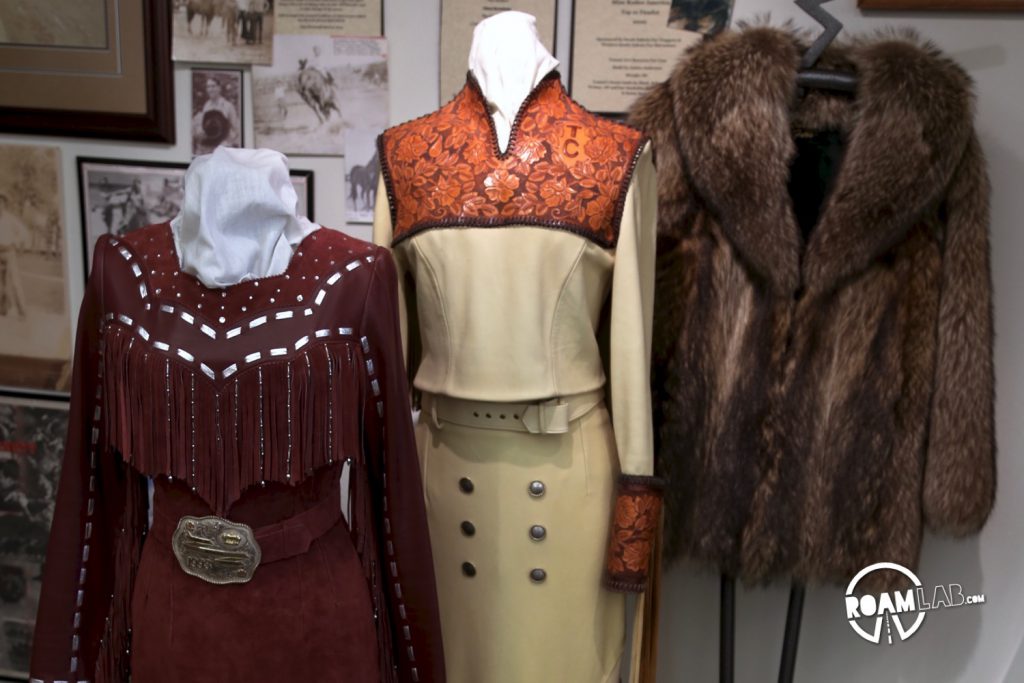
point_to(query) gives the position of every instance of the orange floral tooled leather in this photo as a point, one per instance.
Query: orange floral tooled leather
(564, 167)
(635, 522)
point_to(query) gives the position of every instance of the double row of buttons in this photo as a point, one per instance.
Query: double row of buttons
(537, 531)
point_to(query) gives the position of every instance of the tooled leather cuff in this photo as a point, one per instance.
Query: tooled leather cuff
(634, 526)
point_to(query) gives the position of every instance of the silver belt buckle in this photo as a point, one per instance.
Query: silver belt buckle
(216, 550)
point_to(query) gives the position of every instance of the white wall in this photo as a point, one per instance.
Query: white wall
(970, 645)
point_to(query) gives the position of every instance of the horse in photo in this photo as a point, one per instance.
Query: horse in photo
(316, 88)
(205, 10)
(362, 182)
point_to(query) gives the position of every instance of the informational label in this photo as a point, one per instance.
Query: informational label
(460, 17)
(330, 17)
(620, 49)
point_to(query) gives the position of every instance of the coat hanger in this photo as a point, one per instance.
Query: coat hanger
(821, 79)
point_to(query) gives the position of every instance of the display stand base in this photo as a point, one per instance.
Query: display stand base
(794, 615)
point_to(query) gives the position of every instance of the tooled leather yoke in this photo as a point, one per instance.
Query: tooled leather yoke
(564, 168)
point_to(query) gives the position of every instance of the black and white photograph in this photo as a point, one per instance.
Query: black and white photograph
(121, 196)
(118, 197)
(31, 449)
(216, 109)
(318, 87)
(35, 348)
(707, 17)
(226, 31)
(362, 172)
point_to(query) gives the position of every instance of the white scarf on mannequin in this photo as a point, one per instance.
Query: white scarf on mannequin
(508, 61)
(238, 220)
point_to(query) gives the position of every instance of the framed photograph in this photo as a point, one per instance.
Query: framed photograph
(318, 87)
(87, 68)
(621, 49)
(216, 110)
(460, 17)
(118, 197)
(362, 172)
(35, 346)
(944, 5)
(223, 31)
(707, 17)
(32, 434)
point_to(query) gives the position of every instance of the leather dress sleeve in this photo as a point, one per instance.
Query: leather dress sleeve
(82, 630)
(638, 497)
(405, 560)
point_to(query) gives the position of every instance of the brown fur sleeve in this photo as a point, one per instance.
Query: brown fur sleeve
(960, 476)
(654, 114)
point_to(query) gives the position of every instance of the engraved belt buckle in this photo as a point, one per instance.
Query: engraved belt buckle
(216, 550)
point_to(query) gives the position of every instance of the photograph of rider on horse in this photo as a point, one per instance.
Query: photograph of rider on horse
(318, 88)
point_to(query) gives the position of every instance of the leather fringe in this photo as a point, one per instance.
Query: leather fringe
(113, 664)
(362, 497)
(165, 416)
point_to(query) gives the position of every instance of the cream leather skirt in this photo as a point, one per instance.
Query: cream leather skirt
(519, 526)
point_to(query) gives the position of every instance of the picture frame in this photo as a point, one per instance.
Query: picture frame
(943, 5)
(118, 84)
(234, 32)
(218, 114)
(32, 439)
(619, 50)
(458, 22)
(318, 87)
(362, 173)
(117, 196)
(36, 342)
(303, 182)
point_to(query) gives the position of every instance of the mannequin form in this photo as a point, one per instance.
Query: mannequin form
(508, 61)
(520, 453)
(243, 406)
(238, 221)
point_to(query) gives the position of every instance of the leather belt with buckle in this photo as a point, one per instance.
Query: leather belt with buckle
(221, 551)
(543, 417)
(216, 550)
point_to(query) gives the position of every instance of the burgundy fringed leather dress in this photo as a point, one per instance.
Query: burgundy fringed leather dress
(248, 403)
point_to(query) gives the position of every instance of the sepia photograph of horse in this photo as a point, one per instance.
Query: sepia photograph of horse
(229, 31)
(318, 88)
(362, 173)
(35, 348)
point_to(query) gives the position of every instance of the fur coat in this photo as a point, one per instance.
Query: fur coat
(820, 399)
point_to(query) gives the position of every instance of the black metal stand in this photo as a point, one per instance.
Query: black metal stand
(794, 616)
(727, 630)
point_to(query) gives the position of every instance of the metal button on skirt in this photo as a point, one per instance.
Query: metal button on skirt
(521, 596)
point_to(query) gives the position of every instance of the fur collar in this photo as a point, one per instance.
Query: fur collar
(725, 119)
